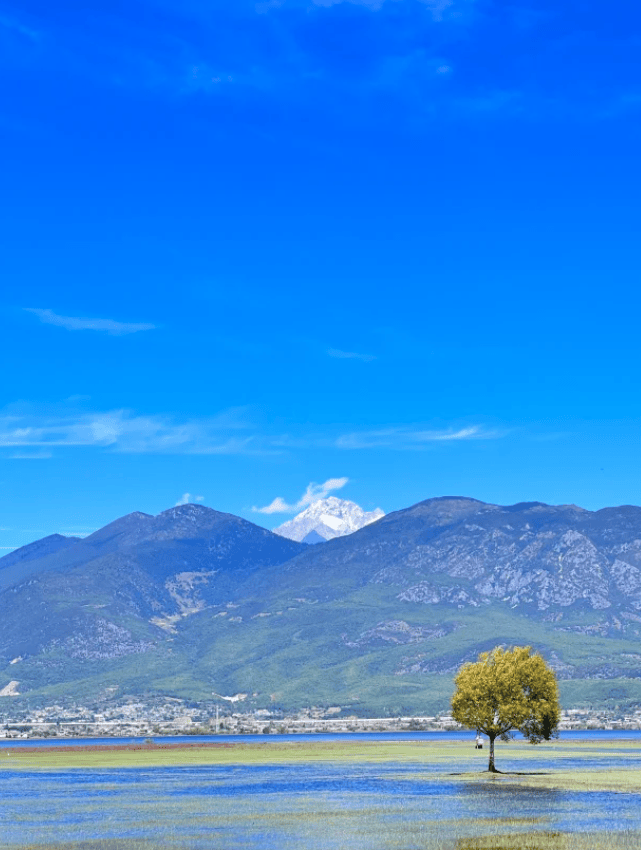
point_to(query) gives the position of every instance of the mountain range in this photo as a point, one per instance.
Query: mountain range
(194, 601)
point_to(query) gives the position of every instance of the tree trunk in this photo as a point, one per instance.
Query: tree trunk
(490, 766)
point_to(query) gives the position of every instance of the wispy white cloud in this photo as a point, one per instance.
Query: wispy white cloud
(370, 4)
(126, 432)
(76, 323)
(412, 438)
(16, 26)
(437, 7)
(350, 355)
(187, 499)
(43, 455)
(204, 77)
(32, 432)
(311, 494)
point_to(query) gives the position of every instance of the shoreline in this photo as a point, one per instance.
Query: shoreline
(459, 733)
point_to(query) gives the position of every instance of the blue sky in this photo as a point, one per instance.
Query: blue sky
(250, 248)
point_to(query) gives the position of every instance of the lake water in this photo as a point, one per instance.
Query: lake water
(308, 806)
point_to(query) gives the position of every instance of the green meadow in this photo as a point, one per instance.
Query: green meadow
(520, 762)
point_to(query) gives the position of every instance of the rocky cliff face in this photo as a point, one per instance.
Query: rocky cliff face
(460, 552)
(533, 557)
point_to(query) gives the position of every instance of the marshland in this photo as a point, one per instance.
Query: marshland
(325, 793)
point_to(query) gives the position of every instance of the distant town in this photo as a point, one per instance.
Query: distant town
(170, 716)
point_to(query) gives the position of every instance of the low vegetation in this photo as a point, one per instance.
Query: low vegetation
(553, 841)
(564, 765)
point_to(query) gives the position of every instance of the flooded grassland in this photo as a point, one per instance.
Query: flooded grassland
(323, 795)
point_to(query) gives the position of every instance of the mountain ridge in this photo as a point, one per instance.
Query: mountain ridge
(195, 599)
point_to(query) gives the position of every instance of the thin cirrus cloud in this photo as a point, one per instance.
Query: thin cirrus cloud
(77, 323)
(27, 433)
(16, 26)
(412, 438)
(123, 431)
(42, 455)
(311, 494)
(437, 7)
(350, 355)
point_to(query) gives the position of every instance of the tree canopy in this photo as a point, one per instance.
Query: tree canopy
(507, 690)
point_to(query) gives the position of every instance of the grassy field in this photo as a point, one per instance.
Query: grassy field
(553, 841)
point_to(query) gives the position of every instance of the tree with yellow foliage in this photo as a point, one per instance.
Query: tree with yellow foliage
(508, 690)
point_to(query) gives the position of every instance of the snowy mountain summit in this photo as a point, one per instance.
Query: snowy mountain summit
(326, 519)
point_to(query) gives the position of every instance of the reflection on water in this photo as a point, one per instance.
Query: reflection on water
(324, 806)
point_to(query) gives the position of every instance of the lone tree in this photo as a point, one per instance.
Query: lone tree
(507, 690)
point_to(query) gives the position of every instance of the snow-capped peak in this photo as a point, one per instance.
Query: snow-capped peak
(326, 519)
